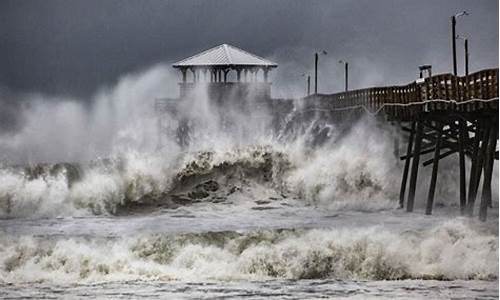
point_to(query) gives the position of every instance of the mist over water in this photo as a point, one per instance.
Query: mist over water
(61, 129)
(111, 154)
(244, 200)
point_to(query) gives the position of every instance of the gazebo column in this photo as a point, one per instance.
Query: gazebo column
(205, 74)
(246, 75)
(238, 74)
(220, 75)
(225, 74)
(184, 75)
(194, 74)
(266, 71)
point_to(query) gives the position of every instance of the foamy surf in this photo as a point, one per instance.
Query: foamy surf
(243, 210)
(449, 251)
(143, 180)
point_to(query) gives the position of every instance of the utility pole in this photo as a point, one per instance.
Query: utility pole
(316, 56)
(466, 46)
(346, 73)
(316, 73)
(346, 76)
(453, 39)
(454, 45)
(466, 53)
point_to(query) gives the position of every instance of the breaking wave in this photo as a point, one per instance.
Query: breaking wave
(325, 176)
(229, 151)
(243, 166)
(452, 250)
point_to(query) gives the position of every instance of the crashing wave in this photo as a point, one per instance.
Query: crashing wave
(141, 183)
(357, 171)
(452, 250)
(138, 181)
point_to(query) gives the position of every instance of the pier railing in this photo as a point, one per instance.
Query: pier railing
(440, 92)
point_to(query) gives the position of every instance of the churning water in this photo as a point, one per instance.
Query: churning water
(244, 211)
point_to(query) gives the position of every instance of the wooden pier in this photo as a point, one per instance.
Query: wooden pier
(444, 115)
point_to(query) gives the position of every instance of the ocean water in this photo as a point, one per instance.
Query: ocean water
(301, 211)
(231, 228)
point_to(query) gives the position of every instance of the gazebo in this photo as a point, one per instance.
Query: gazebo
(219, 61)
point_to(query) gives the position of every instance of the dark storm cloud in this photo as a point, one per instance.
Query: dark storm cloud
(74, 47)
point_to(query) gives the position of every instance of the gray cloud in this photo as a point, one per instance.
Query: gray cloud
(74, 47)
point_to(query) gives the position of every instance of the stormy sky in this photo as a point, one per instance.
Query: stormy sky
(74, 47)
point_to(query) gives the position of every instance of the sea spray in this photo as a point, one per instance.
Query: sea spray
(336, 175)
(103, 187)
(113, 142)
(357, 170)
(66, 129)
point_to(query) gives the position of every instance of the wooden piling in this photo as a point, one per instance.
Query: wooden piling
(478, 169)
(407, 166)
(474, 162)
(493, 154)
(414, 167)
(462, 138)
(432, 187)
(488, 169)
(482, 153)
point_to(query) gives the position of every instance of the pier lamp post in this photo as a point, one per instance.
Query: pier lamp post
(308, 90)
(453, 39)
(316, 55)
(346, 73)
(466, 53)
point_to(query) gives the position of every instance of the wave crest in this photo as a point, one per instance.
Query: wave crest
(452, 250)
(135, 181)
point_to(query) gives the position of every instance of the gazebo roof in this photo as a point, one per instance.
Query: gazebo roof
(224, 55)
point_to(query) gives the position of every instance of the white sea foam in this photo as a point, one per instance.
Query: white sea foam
(241, 161)
(119, 133)
(452, 250)
(356, 172)
(359, 168)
